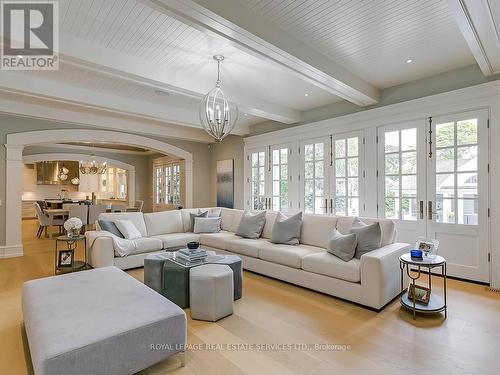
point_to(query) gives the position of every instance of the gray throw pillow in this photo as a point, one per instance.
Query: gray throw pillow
(110, 227)
(286, 230)
(251, 225)
(369, 237)
(342, 246)
(193, 216)
(207, 225)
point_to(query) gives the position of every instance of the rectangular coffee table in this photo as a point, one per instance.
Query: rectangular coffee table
(169, 275)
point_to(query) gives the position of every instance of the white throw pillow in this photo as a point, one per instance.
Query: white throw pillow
(128, 229)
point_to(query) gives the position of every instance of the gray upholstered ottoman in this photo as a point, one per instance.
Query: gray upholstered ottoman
(211, 292)
(100, 321)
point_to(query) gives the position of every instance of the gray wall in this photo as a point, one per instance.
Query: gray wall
(230, 148)
(452, 80)
(201, 162)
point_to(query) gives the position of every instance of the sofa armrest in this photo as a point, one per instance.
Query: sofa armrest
(381, 275)
(100, 252)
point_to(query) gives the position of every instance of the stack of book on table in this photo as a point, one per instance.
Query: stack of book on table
(192, 256)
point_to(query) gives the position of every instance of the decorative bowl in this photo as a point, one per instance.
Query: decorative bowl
(193, 245)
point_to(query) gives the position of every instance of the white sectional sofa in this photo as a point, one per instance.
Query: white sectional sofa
(371, 281)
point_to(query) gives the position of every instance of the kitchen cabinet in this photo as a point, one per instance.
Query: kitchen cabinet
(88, 183)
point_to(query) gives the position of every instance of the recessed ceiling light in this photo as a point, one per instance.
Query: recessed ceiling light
(306, 94)
(162, 93)
(409, 61)
(244, 114)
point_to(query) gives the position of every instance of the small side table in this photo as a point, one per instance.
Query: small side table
(436, 303)
(71, 244)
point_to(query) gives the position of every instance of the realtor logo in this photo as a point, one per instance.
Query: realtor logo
(30, 35)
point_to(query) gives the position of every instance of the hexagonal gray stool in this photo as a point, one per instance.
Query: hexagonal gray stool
(211, 292)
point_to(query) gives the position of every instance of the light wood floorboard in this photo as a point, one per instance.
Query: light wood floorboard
(273, 312)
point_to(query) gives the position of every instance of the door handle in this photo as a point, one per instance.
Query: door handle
(331, 205)
(325, 207)
(429, 210)
(421, 210)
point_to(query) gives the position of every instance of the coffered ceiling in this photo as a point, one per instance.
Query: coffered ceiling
(152, 59)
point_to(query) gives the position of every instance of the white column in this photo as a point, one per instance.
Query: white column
(188, 170)
(131, 187)
(13, 200)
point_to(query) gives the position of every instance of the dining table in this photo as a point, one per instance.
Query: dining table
(55, 212)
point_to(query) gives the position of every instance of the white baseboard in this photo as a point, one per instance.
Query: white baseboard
(11, 251)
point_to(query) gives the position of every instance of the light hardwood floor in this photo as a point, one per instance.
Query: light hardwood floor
(273, 312)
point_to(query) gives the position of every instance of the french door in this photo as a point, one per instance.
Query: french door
(433, 182)
(332, 174)
(270, 177)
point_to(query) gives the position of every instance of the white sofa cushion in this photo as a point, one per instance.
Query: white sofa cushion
(268, 227)
(287, 255)
(146, 245)
(177, 239)
(217, 240)
(164, 222)
(135, 217)
(316, 229)
(387, 227)
(324, 263)
(247, 246)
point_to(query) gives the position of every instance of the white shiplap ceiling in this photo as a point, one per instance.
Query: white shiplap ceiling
(374, 38)
(283, 57)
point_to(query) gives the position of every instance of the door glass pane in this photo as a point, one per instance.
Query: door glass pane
(468, 210)
(409, 162)
(258, 178)
(340, 148)
(467, 185)
(280, 178)
(352, 147)
(467, 158)
(445, 160)
(445, 210)
(467, 132)
(457, 193)
(314, 174)
(392, 141)
(392, 164)
(347, 176)
(400, 184)
(445, 134)
(409, 140)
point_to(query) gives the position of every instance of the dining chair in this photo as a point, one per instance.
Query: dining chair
(44, 221)
(118, 207)
(81, 212)
(138, 206)
(94, 211)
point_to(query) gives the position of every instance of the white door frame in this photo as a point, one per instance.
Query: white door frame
(14, 162)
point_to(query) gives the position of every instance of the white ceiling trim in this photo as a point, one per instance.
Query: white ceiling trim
(98, 149)
(256, 35)
(476, 21)
(44, 109)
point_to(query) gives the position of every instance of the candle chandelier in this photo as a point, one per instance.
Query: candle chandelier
(217, 115)
(93, 167)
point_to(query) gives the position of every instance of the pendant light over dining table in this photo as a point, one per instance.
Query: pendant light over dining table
(217, 115)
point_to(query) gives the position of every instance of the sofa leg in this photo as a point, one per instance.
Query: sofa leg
(182, 357)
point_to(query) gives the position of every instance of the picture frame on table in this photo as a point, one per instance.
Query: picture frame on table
(65, 258)
(422, 294)
(428, 246)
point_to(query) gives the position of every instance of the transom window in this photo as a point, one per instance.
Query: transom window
(346, 176)
(400, 168)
